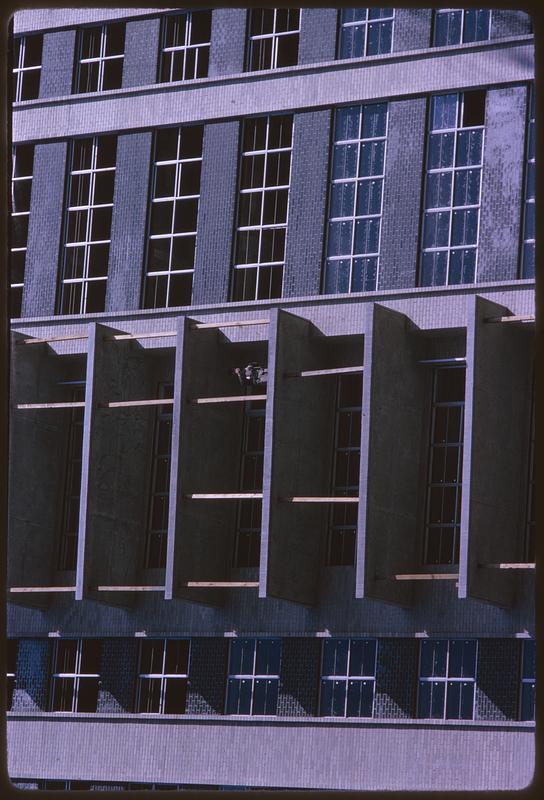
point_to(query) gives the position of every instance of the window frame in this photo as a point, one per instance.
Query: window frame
(347, 677)
(446, 679)
(526, 681)
(366, 23)
(185, 48)
(273, 35)
(254, 676)
(12, 653)
(163, 676)
(527, 270)
(76, 675)
(252, 410)
(101, 59)
(17, 286)
(67, 552)
(19, 70)
(463, 12)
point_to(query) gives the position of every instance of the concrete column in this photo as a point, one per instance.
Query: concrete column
(58, 55)
(318, 33)
(228, 41)
(142, 44)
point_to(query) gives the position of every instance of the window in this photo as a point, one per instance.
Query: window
(443, 511)
(27, 65)
(348, 677)
(528, 252)
(162, 679)
(100, 52)
(262, 208)
(157, 531)
(447, 671)
(21, 186)
(452, 189)
(527, 698)
(273, 38)
(173, 219)
(356, 198)
(458, 25)
(345, 472)
(531, 494)
(248, 540)
(254, 668)
(75, 676)
(87, 227)
(72, 486)
(11, 671)
(365, 32)
(185, 46)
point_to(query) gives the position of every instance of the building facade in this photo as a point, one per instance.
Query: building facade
(272, 417)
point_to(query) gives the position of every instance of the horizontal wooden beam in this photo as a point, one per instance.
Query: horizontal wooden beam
(198, 326)
(513, 318)
(119, 337)
(165, 401)
(241, 398)
(73, 404)
(28, 589)
(225, 496)
(310, 373)
(65, 338)
(221, 584)
(456, 360)
(302, 499)
(510, 565)
(427, 576)
(129, 588)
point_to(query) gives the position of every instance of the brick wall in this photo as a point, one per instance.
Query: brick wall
(57, 63)
(207, 676)
(141, 52)
(118, 667)
(228, 41)
(510, 23)
(299, 677)
(32, 675)
(318, 30)
(498, 679)
(396, 678)
(412, 29)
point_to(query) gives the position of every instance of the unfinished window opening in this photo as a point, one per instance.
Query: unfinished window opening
(248, 538)
(67, 558)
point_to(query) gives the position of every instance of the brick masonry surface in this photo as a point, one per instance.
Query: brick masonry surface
(57, 63)
(498, 681)
(32, 675)
(299, 677)
(141, 52)
(396, 678)
(207, 676)
(118, 675)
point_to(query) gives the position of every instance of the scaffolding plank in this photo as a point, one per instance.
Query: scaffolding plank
(511, 565)
(73, 404)
(310, 373)
(225, 496)
(65, 338)
(302, 499)
(30, 589)
(512, 318)
(164, 401)
(241, 398)
(130, 588)
(221, 584)
(198, 326)
(427, 576)
(120, 337)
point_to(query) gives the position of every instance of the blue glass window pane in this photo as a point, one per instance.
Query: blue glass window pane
(469, 148)
(465, 226)
(379, 38)
(438, 690)
(238, 696)
(467, 187)
(335, 656)
(347, 123)
(360, 698)
(367, 235)
(241, 656)
(441, 150)
(339, 242)
(352, 41)
(462, 661)
(372, 158)
(434, 269)
(344, 163)
(337, 276)
(462, 266)
(438, 194)
(354, 14)
(529, 653)
(530, 191)
(338, 698)
(476, 25)
(528, 260)
(379, 13)
(374, 120)
(433, 658)
(342, 199)
(444, 111)
(369, 197)
(436, 229)
(531, 133)
(362, 657)
(365, 274)
(527, 701)
(424, 700)
(265, 696)
(453, 700)
(530, 221)
(447, 28)
(466, 710)
(268, 657)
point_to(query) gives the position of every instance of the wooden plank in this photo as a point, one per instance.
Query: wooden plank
(460, 360)
(65, 338)
(221, 584)
(510, 565)
(227, 324)
(28, 589)
(310, 373)
(130, 588)
(132, 403)
(303, 499)
(513, 318)
(428, 576)
(73, 404)
(119, 337)
(242, 398)
(226, 496)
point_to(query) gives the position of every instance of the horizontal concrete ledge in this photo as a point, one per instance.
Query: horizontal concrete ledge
(292, 89)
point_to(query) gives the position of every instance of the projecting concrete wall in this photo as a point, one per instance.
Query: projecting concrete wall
(393, 404)
(349, 755)
(297, 457)
(497, 415)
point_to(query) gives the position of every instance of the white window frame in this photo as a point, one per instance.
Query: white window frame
(447, 679)
(273, 35)
(253, 676)
(163, 676)
(163, 414)
(15, 214)
(254, 410)
(530, 165)
(366, 23)
(347, 677)
(183, 48)
(463, 11)
(75, 429)
(76, 676)
(20, 70)
(100, 59)
(525, 681)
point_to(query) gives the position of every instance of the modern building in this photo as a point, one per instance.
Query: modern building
(271, 484)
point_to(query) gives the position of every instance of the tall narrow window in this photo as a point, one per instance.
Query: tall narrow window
(75, 675)
(528, 667)
(528, 253)
(160, 483)
(365, 32)
(452, 189)
(11, 671)
(248, 540)
(345, 472)
(445, 467)
(173, 219)
(87, 228)
(458, 25)
(262, 208)
(163, 674)
(530, 544)
(273, 38)
(348, 677)
(356, 198)
(447, 678)
(21, 186)
(72, 487)
(185, 48)
(99, 62)
(254, 671)
(27, 65)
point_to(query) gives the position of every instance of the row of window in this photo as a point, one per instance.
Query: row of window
(450, 216)
(446, 689)
(272, 43)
